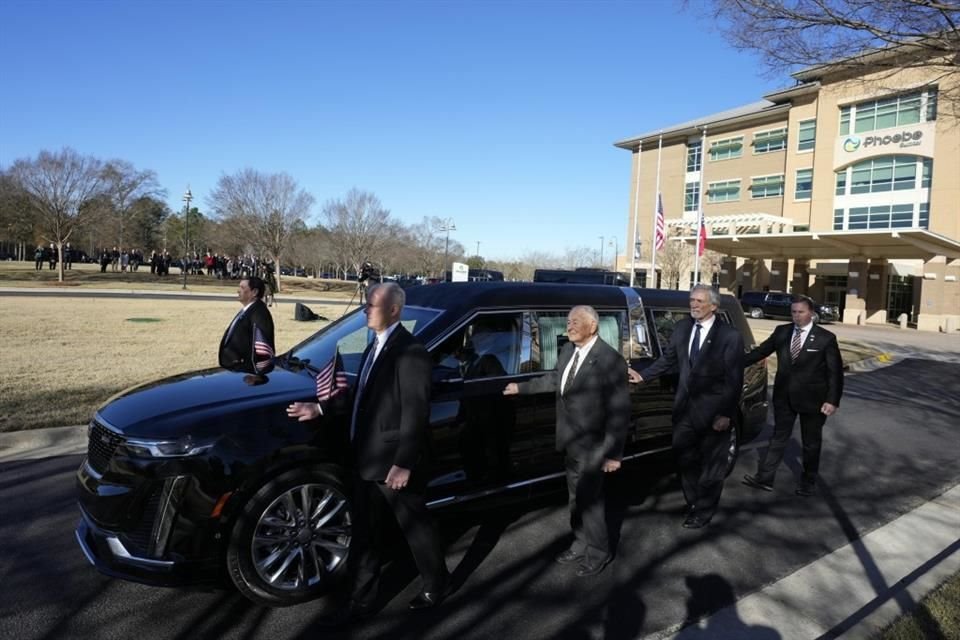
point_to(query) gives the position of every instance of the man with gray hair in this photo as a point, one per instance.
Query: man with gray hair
(708, 355)
(593, 413)
(391, 454)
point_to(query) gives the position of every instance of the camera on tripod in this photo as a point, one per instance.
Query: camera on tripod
(369, 274)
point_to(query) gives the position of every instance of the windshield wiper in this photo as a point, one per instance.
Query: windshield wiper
(293, 362)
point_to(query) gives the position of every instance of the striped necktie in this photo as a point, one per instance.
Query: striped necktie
(795, 344)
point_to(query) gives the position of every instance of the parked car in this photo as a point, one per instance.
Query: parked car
(776, 304)
(201, 476)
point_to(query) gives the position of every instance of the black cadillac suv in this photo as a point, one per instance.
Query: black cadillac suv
(202, 479)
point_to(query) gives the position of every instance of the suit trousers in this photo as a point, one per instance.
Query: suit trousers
(811, 434)
(588, 518)
(371, 503)
(702, 457)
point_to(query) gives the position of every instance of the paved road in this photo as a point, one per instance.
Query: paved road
(893, 446)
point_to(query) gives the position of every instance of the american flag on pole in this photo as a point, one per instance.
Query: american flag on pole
(703, 235)
(658, 236)
(262, 352)
(332, 379)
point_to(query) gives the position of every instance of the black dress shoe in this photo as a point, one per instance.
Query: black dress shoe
(427, 599)
(588, 568)
(805, 490)
(569, 556)
(751, 481)
(695, 521)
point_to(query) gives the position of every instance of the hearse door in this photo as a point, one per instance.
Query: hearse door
(652, 402)
(480, 437)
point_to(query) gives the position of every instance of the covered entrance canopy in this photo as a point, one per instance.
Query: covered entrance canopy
(891, 244)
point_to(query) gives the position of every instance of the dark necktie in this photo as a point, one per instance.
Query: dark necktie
(795, 344)
(695, 345)
(572, 373)
(361, 383)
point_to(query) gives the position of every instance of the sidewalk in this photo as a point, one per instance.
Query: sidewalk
(853, 592)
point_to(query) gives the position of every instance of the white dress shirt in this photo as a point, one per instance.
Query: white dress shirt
(705, 326)
(583, 352)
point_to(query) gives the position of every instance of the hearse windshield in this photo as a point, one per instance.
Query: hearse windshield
(350, 335)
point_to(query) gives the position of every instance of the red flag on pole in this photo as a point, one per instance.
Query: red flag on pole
(703, 235)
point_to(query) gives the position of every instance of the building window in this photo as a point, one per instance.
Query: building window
(844, 121)
(694, 153)
(725, 191)
(726, 149)
(767, 187)
(838, 219)
(885, 173)
(691, 196)
(892, 111)
(804, 184)
(881, 216)
(807, 135)
(767, 141)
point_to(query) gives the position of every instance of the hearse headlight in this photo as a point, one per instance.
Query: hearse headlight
(179, 448)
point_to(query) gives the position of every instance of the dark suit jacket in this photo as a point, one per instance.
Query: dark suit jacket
(393, 411)
(236, 347)
(713, 385)
(816, 376)
(595, 411)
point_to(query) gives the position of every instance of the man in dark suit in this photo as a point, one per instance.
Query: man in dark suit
(390, 442)
(809, 383)
(248, 341)
(593, 413)
(708, 354)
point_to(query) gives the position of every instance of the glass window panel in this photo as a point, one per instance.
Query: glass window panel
(931, 113)
(844, 121)
(693, 156)
(804, 184)
(807, 135)
(691, 196)
(924, 220)
(841, 182)
(927, 170)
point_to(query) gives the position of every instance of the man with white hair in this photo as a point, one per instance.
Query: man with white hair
(593, 413)
(708, 355)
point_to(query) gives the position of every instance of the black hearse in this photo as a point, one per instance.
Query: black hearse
(201, 476)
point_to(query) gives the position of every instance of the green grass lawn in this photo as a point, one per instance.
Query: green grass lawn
(937, 616)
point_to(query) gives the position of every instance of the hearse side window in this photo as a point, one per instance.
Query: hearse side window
(491, 345)
(639, 338)
(552, 327)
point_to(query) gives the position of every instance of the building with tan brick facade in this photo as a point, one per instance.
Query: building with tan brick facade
(844, 188)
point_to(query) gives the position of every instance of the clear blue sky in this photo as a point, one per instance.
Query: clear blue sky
(500, 115)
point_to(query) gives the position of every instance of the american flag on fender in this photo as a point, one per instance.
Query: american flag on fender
(262, 352)
(658, 236)
(332, 379)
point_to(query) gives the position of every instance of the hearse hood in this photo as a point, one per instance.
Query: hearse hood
(206, 401)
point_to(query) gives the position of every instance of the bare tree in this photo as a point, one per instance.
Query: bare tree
(857, 37)
(57, 186)
(124, 185)
(264, 208)
(17, 218)
(361, 227)
(674, 260)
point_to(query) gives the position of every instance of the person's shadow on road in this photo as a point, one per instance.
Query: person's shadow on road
(711, 594)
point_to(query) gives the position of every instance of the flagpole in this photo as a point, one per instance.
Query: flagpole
(636, 213)
(703, 195)
(656, 204)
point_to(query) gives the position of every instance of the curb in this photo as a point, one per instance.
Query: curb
(17, 441)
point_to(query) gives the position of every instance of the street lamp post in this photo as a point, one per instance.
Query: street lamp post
(601, 251)
(446, 226)
(187, 197)
(616, 251)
